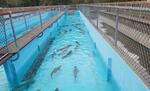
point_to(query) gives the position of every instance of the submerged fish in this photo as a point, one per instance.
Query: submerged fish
(70, 30)
(55, 70)
(61, 52)
(68, 54)
(64, 26)
(64, 48)
(77, 44)
(38, 90)
(65, 31)
(53, 55)
(75, 72)
(82, 31)
(56, 89)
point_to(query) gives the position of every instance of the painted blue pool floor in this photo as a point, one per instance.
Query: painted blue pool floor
(92, 72)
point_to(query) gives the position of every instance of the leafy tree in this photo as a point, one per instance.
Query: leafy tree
(14, 3)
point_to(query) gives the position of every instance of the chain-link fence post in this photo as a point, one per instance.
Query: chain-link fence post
(12, 28)
(97, 20)
(40, 18)
(25, 21)
(116, 28)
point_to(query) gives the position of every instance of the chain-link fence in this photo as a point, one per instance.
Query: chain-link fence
(16, 23)
(127, 27)
(3, 37)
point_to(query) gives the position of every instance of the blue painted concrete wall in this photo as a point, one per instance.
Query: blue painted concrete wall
(29, 53)
(125, 78)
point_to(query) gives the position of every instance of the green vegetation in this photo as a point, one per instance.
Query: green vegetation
(15, 3)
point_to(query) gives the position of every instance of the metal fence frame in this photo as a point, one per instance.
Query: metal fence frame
(9, 15)
(117, 18)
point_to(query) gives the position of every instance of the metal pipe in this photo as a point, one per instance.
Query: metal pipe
(25, 21)
(109, 70)
(116, 29)
(15, 57)
(40, 19)
(12, 27)
(97, 21)
(11, 73)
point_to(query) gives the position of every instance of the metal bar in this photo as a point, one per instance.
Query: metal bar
(144, 9)
(116, 29)
(11, 73)
(3, 56)
(109, 71)
(57, 20)
(97, 21)
(26, 9)
(25, 21)
(13, 30)
(40, 19)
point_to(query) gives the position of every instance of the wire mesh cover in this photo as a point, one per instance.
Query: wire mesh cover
(3, 37)
(20, 28)
(133, 36)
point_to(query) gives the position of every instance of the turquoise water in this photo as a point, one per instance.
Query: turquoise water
(72, 47)
(78, 64)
